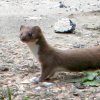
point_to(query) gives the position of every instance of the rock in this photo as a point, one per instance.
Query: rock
(62, 5)
(38, 88)
(78, 45)
(33, 18)
(64, 25)
(34, 80)
(4, 69)
(21, 88)
(7, 1)
(75, 94)
(56, 90)
(34, 10)
(79, 86)
(10, 61)
(98, 78)
(97, 95)
(47, 84)
(79, 93)
(25, 82)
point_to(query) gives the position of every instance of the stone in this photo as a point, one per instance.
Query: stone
(47, 84)
(34, 80)
(4, 69)
(38, 88)
(65, 25)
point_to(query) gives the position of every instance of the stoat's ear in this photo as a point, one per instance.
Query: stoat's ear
(36, 29)
(36, 32)
(21, 27)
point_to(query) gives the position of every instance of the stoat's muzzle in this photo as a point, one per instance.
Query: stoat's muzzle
(26, 37)
(29, 34)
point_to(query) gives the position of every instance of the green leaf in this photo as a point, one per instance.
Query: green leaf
(9, 93)
(90, 79)
(26, 98)
(92, 83)
(89, 76)
(98, 72)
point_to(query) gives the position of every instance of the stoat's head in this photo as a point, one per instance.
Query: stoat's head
(30, 34)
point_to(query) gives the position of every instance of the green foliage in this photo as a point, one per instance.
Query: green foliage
(90, 79)
(5, 93)
(92, 83)
(9, 93)
(26, 98)
(89, 76)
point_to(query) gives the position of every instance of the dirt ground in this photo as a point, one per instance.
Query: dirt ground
(16, 61)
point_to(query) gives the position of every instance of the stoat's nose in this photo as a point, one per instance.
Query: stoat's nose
(26, 37)
(23, 37)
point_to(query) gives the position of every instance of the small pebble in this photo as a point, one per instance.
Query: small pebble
(25, 82)
(75, 94)
(34, 80)
(4, 69)
(98, 78)
(47, 84)
(34, 10)
(38, 88)
(62, 5)
(78, 45)
(79, 86)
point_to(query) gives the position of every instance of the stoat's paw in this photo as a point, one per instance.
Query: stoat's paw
(43, 83)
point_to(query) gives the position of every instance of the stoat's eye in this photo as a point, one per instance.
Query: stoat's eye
(30, 34)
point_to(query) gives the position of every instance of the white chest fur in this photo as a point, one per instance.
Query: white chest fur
(34, 48)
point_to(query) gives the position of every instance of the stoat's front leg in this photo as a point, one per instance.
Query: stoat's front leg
(46, 73)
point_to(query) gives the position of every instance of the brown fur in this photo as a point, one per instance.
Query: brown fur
(53, 60)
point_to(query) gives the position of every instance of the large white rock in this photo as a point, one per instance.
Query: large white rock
(65, 25)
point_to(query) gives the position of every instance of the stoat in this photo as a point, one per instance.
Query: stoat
(53, 60)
